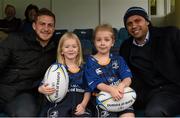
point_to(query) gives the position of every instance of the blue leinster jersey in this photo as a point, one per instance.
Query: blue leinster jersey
(110, 74)
(77, 83)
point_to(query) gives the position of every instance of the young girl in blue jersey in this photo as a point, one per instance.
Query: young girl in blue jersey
(69, 53)
(107, 72)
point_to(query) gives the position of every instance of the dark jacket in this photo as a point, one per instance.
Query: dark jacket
(23, 62)
(165, 52)
(12, 25)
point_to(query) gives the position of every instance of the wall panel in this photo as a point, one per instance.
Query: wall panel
(112, 11)
(71, 14)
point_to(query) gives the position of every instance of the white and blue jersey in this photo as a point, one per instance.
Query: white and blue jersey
(110, 74)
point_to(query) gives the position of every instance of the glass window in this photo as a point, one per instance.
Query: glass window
(172, 5)
(161, 7)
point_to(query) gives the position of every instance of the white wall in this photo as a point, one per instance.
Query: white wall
(71, 14)
(112, 11)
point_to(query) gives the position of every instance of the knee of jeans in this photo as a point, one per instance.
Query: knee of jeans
(155, 111)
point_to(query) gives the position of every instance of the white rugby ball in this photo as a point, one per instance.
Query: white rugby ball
(106, 102)
(57, 77)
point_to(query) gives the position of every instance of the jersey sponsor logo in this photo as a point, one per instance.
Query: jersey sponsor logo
(115, 83)
(115, 64)
(111, 79)
(53, 114)
(76, 90)
(99, 71)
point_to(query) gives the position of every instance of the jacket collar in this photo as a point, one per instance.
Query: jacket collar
(30, 38)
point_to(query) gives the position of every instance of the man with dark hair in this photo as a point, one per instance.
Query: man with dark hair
(24, 59)
(153, 55)
(30, 14)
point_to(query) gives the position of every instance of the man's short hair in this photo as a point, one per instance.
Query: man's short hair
(45, 11)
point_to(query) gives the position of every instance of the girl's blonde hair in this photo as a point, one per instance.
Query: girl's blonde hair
(60, 57)
(104, 27)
